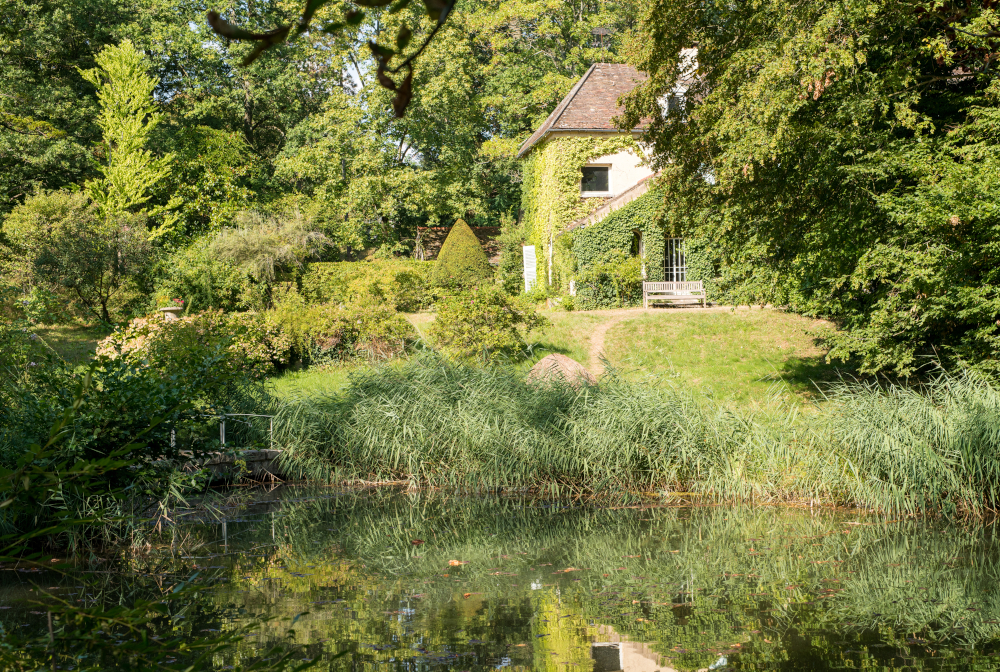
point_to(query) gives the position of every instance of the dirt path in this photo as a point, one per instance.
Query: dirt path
(594, 363)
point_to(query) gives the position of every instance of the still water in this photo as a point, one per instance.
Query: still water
(404, 581)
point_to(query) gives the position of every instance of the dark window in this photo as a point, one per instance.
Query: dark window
(595, 178)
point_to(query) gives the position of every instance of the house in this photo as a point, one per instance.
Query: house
(584, 185)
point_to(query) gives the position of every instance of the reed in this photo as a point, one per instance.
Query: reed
(428, 422)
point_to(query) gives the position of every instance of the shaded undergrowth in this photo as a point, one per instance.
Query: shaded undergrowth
(431, 423)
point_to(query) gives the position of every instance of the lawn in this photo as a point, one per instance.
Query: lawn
(740, 357)
(74, 343)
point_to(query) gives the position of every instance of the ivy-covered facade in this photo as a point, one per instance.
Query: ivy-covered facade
(586, 197)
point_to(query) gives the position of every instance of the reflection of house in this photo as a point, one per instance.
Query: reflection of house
(614, 653)
(431, 238)
(585, 177)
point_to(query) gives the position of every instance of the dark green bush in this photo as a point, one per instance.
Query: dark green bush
(486, 322)
(461, 263)
(615, 282)
(401, 284)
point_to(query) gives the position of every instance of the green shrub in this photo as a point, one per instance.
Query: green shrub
(486, 322)
(329, 333)
(461, 263)
(510, 270)
(615, 282)
(401, 284)
(245, 343)
(96, 264)
(205, 282)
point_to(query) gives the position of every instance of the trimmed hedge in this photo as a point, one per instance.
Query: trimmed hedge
(461, 261)
(402, 284)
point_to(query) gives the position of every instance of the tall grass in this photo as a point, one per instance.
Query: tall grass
(910, 449)
(431, 423)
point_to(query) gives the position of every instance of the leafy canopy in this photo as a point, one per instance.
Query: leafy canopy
(838, 158)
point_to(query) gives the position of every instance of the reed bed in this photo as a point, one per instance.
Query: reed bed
(431, 423)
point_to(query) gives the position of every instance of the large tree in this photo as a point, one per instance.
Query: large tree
(838, 158)
(48, 112)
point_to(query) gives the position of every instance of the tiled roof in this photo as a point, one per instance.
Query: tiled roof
(591, 103)
(432, 238)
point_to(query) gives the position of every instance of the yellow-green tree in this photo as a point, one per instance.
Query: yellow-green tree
(128, 116)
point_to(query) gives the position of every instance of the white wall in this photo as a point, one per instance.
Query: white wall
(625, 172)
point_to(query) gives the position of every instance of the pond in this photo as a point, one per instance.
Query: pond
(392, 580)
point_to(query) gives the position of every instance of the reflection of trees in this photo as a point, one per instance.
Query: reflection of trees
(702, 580)
(783, 584)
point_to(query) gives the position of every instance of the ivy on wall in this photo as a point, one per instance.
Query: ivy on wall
(550, 198)
(595, 243)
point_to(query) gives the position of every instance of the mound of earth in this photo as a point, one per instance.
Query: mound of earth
(556, 366)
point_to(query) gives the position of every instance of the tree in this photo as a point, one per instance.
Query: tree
(60, 239)
(461, 261)
(128, 116)
(836, 158)
(264, 246)
(47, 110)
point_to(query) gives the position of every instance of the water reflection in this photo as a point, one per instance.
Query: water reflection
(428, 582)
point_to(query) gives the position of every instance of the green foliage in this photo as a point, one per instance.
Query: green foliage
(550, 198)
(204, 281)
(838, 159)
(244, 344)
(402, 284)
(58, 241)
(461, 263)
(266, 245)
(128, 116)
(510, 270)
(211, 181)
(614, 282)
(486, 323)
(328, 334)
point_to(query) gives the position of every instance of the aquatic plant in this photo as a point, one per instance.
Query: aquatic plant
(429, 422)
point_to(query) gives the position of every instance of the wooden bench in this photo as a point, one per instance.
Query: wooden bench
(672, 291)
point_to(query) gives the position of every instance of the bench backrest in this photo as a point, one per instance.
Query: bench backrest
(673, 286)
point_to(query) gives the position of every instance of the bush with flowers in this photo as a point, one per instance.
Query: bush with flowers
(485, 323)
(247, 343)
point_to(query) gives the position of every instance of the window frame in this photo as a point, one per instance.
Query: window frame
(596, 194)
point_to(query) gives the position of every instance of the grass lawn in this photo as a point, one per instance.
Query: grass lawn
(311, 382)
(76, 344)
(569, 334)
(742, 356)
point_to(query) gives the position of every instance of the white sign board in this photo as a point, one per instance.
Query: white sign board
(528, 252)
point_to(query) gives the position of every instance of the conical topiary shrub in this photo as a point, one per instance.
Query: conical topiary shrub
(461, 262)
